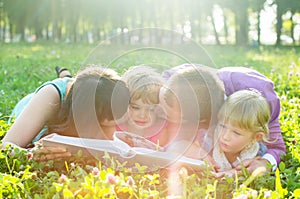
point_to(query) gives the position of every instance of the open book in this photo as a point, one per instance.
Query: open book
(124, 147)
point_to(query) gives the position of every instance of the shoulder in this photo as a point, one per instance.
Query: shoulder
(240, 78)
(58, 86)
(240, 72)
(48, 93)
(59, 83)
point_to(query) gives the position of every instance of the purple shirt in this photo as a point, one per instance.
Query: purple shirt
(240, 78)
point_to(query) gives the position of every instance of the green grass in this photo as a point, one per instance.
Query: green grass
(23, 67)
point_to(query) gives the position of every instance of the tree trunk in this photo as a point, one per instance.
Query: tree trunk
(47, 33)
(225, 27)
(214, 27)
(54, 30)
(38, 30)
(241, 18)
(11, 32)
(278, 24)
(3, 33)
(258, 27)
(22, 31)
(59, 33)
(74, 32)
(292, 28)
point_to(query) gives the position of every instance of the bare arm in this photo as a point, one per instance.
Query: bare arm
(43, 106)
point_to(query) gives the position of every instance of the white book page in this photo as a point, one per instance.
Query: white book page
(145, 147)
(136, 142)
(101, 145)
(142, 155)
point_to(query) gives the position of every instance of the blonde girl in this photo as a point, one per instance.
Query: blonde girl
(242, 124)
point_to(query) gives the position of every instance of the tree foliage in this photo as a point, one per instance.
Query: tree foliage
(86, 20)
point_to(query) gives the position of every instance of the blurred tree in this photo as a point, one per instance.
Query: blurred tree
(210, 13)
(240, 10)
(16, 15)
(196, 14)
(279, 12)
(292, 7)
(96, 14)
(81, 20)
(2, 21)
(57, 18)
(257, 6)
(40, 17)
(282, 6)
(72, 12)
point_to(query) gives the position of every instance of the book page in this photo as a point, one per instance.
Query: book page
(148, 152)
(73, 144)
(136, 142)
(122, 151)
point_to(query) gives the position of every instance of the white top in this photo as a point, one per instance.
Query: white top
(220, 158)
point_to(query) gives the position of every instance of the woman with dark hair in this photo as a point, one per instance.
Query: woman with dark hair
(84, 106)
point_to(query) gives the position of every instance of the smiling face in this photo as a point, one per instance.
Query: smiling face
(142, 115)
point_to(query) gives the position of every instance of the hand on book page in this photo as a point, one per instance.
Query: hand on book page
(120, 145)
(74, 144)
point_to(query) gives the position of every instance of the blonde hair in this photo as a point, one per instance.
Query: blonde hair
(143, 83)
(248, 110)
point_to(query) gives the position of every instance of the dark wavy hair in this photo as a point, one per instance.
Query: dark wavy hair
(97, 94)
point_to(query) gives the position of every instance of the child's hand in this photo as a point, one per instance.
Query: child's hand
(254, 163)
(229, 173)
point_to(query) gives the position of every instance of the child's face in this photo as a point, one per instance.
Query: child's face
(233, 140)
(142, 115)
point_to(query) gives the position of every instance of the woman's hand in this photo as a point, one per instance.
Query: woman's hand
(44, 153)
(41, 153)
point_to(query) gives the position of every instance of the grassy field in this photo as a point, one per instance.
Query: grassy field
(23, 67)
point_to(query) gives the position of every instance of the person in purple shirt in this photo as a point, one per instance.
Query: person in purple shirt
(200, 92)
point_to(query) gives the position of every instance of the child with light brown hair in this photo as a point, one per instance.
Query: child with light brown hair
(143, 117)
